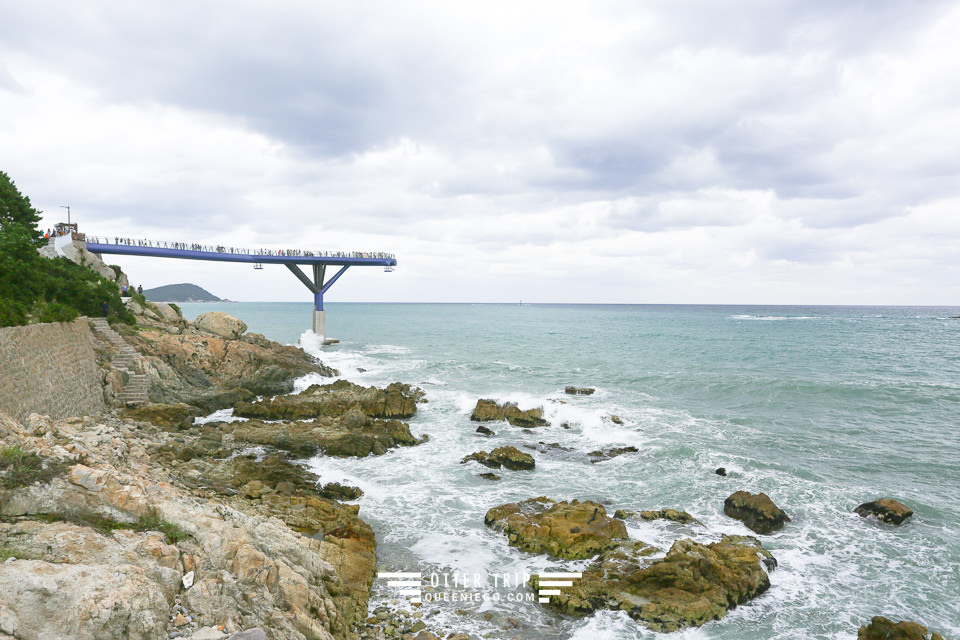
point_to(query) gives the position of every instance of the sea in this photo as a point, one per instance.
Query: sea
(821, 408)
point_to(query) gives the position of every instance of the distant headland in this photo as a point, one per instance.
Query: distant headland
(184, 292)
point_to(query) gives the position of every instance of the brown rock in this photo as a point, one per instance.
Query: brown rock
(335, 400)
(509, 457)
(177, 416)
(881, 628)
(220, 324)
(562, 529)
(487, 410)
(885, 509)
(579, 391)
(758, 511)
(694, 584)
(669, 514)
(605, 454)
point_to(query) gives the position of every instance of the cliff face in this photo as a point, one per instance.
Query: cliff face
(107, 520)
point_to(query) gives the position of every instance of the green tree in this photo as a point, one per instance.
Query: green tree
(38, 288)
(16, 211)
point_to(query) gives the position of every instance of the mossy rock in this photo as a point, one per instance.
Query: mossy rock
(568, 530)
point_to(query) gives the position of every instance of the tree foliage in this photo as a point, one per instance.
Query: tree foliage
(36, 288)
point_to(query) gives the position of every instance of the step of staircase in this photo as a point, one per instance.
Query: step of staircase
(135, 391)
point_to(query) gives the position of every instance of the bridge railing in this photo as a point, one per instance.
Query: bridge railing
(192, 246)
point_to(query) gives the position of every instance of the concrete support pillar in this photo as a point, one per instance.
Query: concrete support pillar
(320, 323)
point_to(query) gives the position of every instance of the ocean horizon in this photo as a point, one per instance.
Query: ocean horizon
(821, 407)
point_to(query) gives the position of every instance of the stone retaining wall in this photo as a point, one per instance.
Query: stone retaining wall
(49, 369)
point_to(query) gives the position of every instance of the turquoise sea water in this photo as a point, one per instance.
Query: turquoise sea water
(822, 408)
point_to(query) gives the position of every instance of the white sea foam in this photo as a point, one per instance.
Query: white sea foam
(221, 415)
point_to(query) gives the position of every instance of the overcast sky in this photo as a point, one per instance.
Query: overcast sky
(675, 151)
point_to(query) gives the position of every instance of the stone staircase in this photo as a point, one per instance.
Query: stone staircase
(135, 390)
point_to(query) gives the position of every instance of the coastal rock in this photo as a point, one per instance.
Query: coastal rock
(605, 454)
(673, 515)
(141, 311)
(174, 416)
(885, 509)
(509, 457)
(337, 491)
(490, 476)
(346, 437)
(220, 324)
(881, 628)
(757, 511)
(488, 410)
(692, 585)
(213, 373)
(335, 400)
(487, 432)
(616, 419)
(579, 391)
(167, 312)
(721, 471)
(562, 529)
(122, 530)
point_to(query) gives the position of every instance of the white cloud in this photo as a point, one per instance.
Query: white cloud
(669, 152)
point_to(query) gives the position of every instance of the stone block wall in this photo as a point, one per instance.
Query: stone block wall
(49, 369)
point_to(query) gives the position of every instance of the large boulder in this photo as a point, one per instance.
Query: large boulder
(167, 312)
(693, 584)
(885, 509)
(489, 410)
(757, 511)
(220, 324)
(881, 628)
(561, 529)
(509, 457)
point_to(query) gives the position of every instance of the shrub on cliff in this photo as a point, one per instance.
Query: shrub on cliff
(33, 287)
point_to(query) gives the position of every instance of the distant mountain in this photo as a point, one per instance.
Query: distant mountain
(184, 292)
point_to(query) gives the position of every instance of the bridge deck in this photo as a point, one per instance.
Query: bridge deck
(231, 254)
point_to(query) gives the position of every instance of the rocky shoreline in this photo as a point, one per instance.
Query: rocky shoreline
(144, 523)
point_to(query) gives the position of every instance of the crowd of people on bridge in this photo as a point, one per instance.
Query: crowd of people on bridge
(185, 246)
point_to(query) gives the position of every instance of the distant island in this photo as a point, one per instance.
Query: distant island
(184, 292)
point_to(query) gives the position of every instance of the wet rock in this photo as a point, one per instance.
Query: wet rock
(490, 476)
(672, 515)
(721, 471)
(175, 416)
(220, 324)
(340, 437)
(623, 514)
(881, 628)
(692, 585)
(485, 431)
(579, 391)
(488, 410)
(509, 457)
(885, 509)
(337, 491)
(336, 400)
(616, 420)
(562, 529)
(605, 454)
(757, 511)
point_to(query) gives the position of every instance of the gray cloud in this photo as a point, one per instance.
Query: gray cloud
(500, 128)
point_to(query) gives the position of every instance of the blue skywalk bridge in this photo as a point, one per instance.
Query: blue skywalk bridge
(318, 284)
